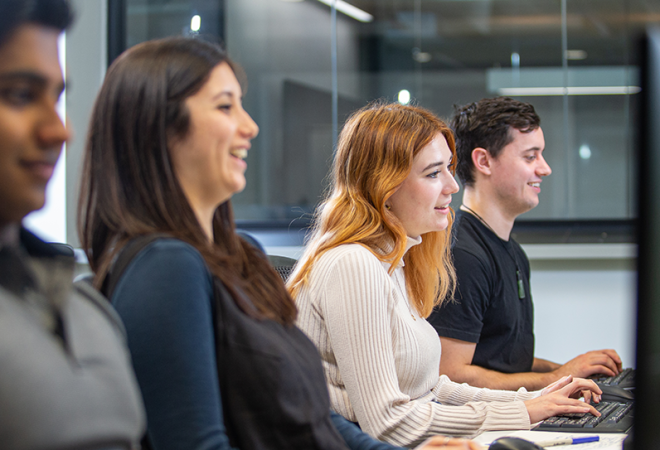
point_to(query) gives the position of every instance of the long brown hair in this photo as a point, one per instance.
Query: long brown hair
(374, 156)
(129, 186)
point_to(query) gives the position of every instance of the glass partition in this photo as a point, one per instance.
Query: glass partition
(573, 60)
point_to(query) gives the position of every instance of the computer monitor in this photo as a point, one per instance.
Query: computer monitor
(647, 395)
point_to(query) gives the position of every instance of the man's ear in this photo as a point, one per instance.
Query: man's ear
(482, 160)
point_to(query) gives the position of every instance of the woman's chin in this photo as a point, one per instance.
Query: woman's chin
(238, 186)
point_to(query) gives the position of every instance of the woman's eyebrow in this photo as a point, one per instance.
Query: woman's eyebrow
(432, 165)
(222, 93)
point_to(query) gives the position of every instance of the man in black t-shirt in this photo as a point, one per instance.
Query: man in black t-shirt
(487, 333)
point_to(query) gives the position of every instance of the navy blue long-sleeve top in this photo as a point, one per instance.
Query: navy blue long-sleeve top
(165, 298)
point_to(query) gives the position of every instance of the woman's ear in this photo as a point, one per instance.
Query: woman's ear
(482, 160)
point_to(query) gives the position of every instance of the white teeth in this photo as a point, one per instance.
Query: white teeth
(535, 184)
(239, 153)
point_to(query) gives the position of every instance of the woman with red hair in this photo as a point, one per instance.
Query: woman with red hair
(376, 265)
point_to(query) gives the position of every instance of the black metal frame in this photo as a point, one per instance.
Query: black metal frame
(116, 29)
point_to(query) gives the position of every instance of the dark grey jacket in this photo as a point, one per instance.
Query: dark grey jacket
(65, 375)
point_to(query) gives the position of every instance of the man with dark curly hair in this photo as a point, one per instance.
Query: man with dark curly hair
(487, 332)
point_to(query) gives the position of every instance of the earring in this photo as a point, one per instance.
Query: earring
(388, 207)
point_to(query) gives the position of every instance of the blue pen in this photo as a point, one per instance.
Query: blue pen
(569, 441)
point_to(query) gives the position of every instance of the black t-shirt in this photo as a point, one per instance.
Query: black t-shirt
(488, 309)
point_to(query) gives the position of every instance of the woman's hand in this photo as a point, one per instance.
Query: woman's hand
(560, 383)
(447, 443)
(586, 393)
(561, 397)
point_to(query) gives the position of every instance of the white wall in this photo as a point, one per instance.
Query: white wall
(86, 59)
(581, 310)
(584, 298)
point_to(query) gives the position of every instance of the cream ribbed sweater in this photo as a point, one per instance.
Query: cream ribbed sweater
(381, 359)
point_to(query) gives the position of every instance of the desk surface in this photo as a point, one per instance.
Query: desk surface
(608, 441)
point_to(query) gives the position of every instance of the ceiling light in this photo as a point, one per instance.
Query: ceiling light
(349, 10)
(404, 96)
(576, 55)
(571, 90)
(549, 81)
(195, 23)
(585, 151)
(515, 59)
(420, 56)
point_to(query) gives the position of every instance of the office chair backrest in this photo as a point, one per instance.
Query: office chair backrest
(87, 277)
(283, 265)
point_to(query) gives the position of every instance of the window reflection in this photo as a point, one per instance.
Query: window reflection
(436, 53)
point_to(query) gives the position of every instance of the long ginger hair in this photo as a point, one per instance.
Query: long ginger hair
(129, 185)
(374, 156)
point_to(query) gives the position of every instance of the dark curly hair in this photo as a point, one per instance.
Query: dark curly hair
(487, 124)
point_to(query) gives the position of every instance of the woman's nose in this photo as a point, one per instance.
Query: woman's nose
(249, 126)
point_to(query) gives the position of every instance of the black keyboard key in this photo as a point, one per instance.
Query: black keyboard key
(618, 378)
(619, 414)
(592, 422)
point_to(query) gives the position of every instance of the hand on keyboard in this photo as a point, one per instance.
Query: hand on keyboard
(606, 362)
(561, 397)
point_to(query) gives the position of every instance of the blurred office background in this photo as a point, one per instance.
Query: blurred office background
(435, 53)
(309, 65)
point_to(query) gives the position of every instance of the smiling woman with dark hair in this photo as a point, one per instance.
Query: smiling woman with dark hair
(210, 324)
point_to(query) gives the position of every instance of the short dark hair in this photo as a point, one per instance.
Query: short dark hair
(55, 14)
(487, 124)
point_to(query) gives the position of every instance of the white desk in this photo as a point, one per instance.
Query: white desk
(607, 441)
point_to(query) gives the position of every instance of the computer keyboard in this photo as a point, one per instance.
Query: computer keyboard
(625, 379)
(615, 418)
